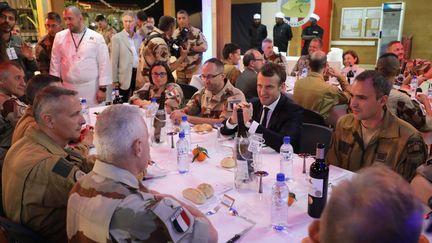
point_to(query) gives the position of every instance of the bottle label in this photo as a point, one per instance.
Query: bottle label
(242, 170)
(316, 187)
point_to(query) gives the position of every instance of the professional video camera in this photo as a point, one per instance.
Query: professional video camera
(180, 41)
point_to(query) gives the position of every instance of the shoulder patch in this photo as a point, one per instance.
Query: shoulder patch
(415, 146)
(62, 167)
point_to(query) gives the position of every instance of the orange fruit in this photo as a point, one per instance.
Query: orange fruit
(291, 198)
(199, 153)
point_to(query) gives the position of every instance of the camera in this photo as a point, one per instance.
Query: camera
(179, 42)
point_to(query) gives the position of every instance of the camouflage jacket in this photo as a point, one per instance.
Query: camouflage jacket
(43, 53)
(277, 59)
(193, 60)
(110, 205)
(107, 34)
(398, 145)
(173, 95)
(203, 103)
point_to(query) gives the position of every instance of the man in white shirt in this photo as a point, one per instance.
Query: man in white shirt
(80, 57)
(124, 56)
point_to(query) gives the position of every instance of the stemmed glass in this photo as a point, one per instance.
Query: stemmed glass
(219, 139)
(255, 145)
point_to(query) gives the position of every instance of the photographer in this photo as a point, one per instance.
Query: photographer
(186, 34)
(156, 47)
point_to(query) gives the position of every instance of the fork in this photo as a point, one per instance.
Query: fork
(214, 210)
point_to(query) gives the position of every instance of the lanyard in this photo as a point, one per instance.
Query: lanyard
(79, 43)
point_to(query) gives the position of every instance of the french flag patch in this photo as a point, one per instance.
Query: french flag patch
(180, 220)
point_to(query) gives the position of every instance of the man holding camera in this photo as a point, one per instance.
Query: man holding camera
(187, 34)
(157, 47)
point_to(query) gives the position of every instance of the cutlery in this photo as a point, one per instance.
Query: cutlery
(214, 210)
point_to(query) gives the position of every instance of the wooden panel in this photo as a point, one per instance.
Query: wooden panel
(223, 28)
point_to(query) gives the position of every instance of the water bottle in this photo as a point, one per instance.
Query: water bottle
(182, 154)
(279, 206)
(304, 72)
(413, 86)
(85, 110)
(185, 128)
(286, 158)
(152, 108)
(430, 92)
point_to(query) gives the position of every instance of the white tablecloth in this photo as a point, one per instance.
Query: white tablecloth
(249, 203)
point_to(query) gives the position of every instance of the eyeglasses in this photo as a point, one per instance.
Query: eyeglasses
(9, 18)
(162, 74)
(209, 76)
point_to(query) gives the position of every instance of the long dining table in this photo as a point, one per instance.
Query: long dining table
(254, 208)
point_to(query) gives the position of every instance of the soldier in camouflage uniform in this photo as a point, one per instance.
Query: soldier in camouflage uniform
(156, 47)
(213, 103)
(372, 134)
(111, 205)
(270, 55)
(105, 30)
(44, 46)
(303, 61)
(197, 45)
(39, 172)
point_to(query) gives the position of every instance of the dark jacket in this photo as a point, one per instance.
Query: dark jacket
(257, 34)
(282, 34)
(247, 83)
(286, 120)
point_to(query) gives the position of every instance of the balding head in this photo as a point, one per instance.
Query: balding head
(121, 138)
(73, 19)
(317, 61)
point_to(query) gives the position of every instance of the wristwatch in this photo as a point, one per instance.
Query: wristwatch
(103, 89)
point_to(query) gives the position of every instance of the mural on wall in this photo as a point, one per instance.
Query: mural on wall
(297, 12)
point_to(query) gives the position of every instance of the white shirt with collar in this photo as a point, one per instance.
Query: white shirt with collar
(254, 125)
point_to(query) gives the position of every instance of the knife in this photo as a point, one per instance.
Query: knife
(237, 236)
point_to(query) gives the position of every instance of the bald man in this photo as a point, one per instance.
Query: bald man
(80, 57)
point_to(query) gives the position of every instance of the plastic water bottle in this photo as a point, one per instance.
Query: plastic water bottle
(152, 108)
(413, 86)
(430, 92)
(186, 128)
(304, 72)
(85, 110)
(182, 154)
(279, 206)
(286, 158)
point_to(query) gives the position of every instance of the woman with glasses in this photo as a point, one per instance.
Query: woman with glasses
(162, 86)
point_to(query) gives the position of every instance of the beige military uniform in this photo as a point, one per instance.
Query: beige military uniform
(203, 103)
(153, 48)
(231, 73)
(192, 62)
(36, 179)
(26, 121)
(313, 93)
(397, 145)
(110, 204)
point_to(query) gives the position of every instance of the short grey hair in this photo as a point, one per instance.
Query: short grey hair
(376, 194)
(117, 127)
(5, 68)
(47, 99)
(129, 13)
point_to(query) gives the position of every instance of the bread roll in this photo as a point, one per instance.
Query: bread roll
(194, 195)
(207, 189)
(228, 162)
(203, 128)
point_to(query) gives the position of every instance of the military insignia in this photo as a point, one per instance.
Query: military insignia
(381, 157)
(62, 167)
(180, 220)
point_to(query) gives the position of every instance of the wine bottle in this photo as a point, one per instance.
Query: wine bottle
(318, 184)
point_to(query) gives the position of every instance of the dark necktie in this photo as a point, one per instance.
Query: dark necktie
(264, 118)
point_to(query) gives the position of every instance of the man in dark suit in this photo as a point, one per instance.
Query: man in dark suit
(272, 113)
(247, 80)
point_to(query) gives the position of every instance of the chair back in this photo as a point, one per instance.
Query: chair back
(188, 90)
(13, 232)
(311, 134)
(313, 117)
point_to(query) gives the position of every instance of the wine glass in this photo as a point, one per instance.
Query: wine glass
(219, 139)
